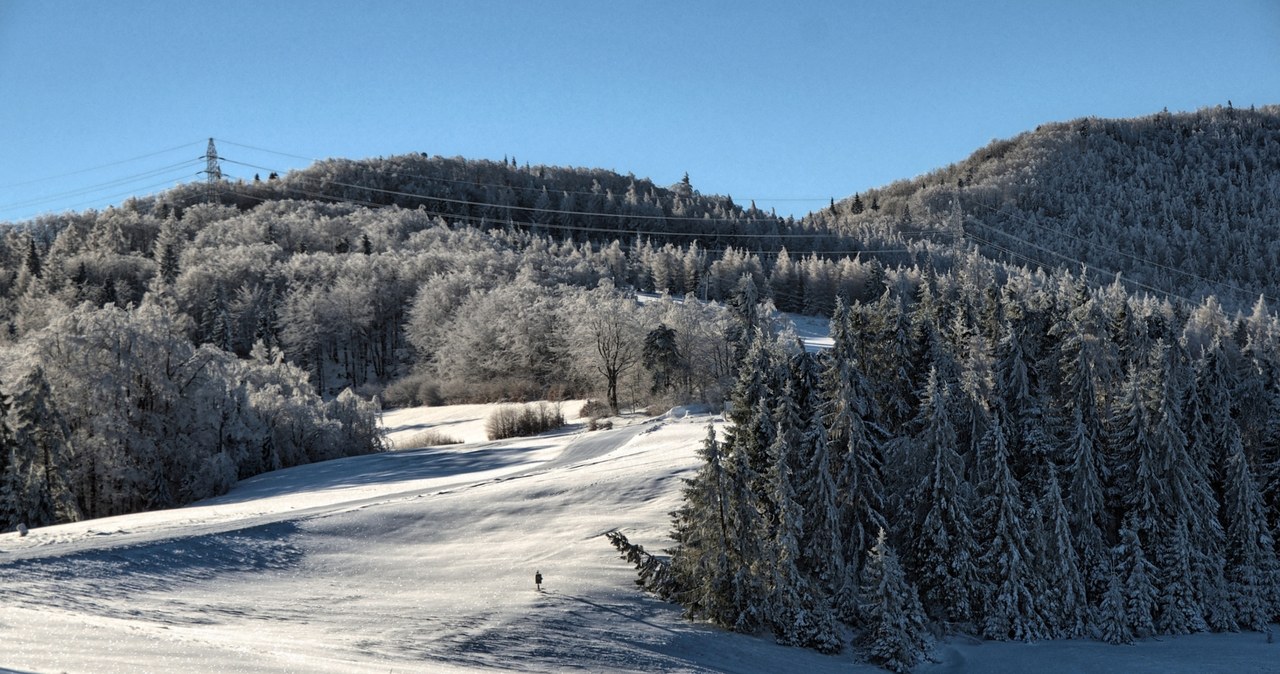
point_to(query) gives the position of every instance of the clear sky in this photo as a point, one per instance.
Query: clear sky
(786, 105)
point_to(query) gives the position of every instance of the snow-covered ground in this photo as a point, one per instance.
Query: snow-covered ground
(422, 560)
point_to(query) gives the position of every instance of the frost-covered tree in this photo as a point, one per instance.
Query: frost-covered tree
(798, 615)
(942, 536)
(850, 428)
(1140, 597)
(1111, 620)
(894, 636)
(1178, 610)
(1006, 565)
(700, 561)
(608, 337)
(1063, 600)
(40, 492)
(1251, 569)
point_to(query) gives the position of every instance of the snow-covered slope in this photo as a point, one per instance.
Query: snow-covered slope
(423, 561)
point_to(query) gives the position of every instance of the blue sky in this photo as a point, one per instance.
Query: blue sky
(789, 106)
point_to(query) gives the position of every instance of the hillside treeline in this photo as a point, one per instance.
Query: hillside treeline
(361, 297)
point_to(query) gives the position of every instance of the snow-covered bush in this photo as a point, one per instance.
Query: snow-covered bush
(513, 421)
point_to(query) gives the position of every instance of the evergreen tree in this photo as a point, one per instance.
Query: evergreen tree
(1087, 508)
(1063, 600)
(750, 510)
(1139, 584)
(1190, 558)
(700, 561)
(1009, 610)
(858, 481)
(31, 262)
(1136, 480)
(167, 250)
(822, 545)
(894, 636)
(1177, 608)
(1251, 556)
(1112, 620)
(942, 558)
(661, 356)
(795, 614)
(784, 284)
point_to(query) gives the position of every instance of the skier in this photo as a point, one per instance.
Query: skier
(537, 580)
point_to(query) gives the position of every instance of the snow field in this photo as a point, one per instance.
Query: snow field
(423, 561)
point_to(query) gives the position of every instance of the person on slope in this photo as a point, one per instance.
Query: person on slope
(537, 580)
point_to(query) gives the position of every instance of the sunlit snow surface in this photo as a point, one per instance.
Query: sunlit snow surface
(422, 560)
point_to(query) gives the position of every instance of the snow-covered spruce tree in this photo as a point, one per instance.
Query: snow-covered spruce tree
(1139, 587)
(1135, 486)
(943, 544)
(749, 518)
(1189, 558)
(1212, 430)
(1006, 566)
(750, 507)
(894, 634)
(1111, 620)
(1178, 611)
(850, 414)
(751, 430)
(1064, 603)
(1087, 511)
(895, 391)
(1252, 570)
(700, 527)
(1084, 437)
(798, 615)
(1030, 446)
(822, 544)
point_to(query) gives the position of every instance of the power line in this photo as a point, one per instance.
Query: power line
(603, 230)
(457, 181)
(1040, 263)
(131, 192)
(1110, 249)
(99, 186)
(1014, 216)
(554, 211)
(534, 226)
(263, 149)
(100, 167)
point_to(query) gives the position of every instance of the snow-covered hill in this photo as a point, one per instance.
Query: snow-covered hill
(422, 560)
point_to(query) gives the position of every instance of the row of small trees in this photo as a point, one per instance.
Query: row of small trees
(1049, 461)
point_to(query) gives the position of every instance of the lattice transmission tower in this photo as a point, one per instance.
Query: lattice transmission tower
(212, 174)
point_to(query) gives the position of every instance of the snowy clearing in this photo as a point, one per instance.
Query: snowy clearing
(423, 560)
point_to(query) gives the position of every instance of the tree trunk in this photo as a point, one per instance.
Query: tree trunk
(612, 378)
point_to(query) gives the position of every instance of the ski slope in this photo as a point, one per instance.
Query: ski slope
(422, 560)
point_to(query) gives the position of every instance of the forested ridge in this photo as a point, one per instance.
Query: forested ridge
(1180, 204)
(1006, 435)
